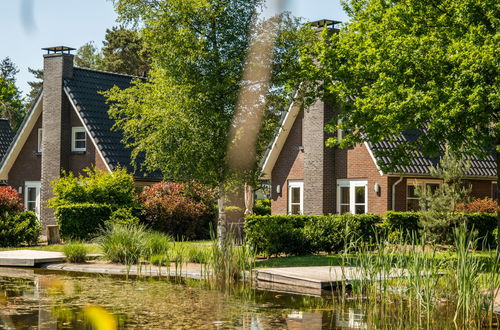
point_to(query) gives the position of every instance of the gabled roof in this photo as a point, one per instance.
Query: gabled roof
(84, 91)
(419, 163)
(6, 137)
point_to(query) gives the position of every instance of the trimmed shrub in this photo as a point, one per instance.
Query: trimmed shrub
(75, 252)
(301, 234)
(406, 223)
(81, 221)
(19, 228)
(484, 225)
(262, 207)
(485, 205)
(123, 216)
(179, 209)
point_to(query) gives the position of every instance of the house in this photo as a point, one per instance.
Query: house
(68, 128)
(309, 178)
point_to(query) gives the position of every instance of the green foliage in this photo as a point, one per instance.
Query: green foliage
(402, 222)
(156, 243)
(123, 243)
(262, 207)
(18, 228)
(300, 234)
(75, 251)
(36, 86)
(438, 207)
(123, 216)
(81, 220)
(11, 106)
(116, 189)
(484, 226)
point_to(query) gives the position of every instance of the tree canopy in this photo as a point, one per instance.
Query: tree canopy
(430, 65)
(181, 116)
(11, 104)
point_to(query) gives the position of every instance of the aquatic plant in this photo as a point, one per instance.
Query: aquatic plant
(123, 243)
(75, 251)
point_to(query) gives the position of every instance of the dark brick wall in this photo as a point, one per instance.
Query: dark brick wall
(289, 166)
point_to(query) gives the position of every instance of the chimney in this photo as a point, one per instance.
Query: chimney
(319, 160)
(57, 66)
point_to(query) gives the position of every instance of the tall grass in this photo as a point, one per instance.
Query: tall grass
(75, 251)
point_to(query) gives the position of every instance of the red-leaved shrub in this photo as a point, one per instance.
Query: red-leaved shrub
(485, 205)
(184, 210)
(10, 201)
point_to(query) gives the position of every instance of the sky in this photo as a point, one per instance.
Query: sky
(29, 25)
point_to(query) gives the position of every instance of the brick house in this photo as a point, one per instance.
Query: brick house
(309, 178)
(68, 128)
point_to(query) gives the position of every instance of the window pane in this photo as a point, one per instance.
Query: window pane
(344, 209)
(413, 205)
(296, 195)
(412, 191)
(295, 209)
(80, 144)
(432, 187)
(80, 136)
(31, 206)
(360, 209)
(359, 195)
(344, 195)
(31, 194)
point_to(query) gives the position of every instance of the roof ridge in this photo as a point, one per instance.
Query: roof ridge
(108, 72)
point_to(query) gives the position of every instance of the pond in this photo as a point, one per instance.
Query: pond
(36, 299)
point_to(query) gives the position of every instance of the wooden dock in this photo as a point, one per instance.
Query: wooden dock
(29, 258)
(313, 280)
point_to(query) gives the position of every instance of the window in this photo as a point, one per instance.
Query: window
(412, 188)
(39, 148)
(352, 196)
(78, 139)
(295, 197)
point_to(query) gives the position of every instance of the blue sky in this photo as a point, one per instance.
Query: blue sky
(74, 22)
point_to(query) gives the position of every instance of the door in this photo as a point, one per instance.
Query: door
(32, 197)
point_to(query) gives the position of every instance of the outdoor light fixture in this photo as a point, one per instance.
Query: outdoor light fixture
(278, 189)
(376, 188)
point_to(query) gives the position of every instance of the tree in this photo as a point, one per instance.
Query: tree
(35, 85)
(122, 52)
(430, 65)
(181, 117)
(11, 106)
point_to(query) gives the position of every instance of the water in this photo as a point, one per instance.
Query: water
(36, 299)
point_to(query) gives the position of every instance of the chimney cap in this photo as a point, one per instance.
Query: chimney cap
(58, 49)
(324, 23)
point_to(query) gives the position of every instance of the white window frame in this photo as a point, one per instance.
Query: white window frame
(423, 184)
(37, 186)
(39, 144)
(352, 184)
(295, 184)
(74, 130)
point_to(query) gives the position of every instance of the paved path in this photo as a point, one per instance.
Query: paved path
(29, 258)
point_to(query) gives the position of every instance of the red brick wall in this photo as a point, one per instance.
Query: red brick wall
(289, 166)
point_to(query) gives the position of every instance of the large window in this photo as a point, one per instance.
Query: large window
(78, 139)
(412, 189)
(352, 196)
(295, 197)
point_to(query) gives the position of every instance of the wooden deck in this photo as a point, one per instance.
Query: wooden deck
(29, 258)
(312, 280)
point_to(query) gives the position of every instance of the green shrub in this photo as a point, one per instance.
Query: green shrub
(276, 234)
(81, 221)
(262, 207)
(484, 225)
(75, 251)
(406, 223)
(123, 216)
(123, 243)
(156, 243)
(18, 228)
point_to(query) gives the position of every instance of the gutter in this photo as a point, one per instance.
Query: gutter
(394, 192)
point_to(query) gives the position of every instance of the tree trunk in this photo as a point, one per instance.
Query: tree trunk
(222, 221)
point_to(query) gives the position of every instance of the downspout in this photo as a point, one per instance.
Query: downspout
(394, 192)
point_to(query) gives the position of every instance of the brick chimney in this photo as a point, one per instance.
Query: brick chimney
(319, 174)
(57, 65)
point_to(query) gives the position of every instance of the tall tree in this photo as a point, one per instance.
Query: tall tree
(122, 52)
(11, 106)
(36, 86)
(430, 65)
(181, 117)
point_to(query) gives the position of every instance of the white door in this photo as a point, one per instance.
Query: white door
(295, 197)
(32, 197)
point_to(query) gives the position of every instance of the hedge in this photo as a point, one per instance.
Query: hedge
(301, 234)
(18, 228)
(262, 207)
(81, 220)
